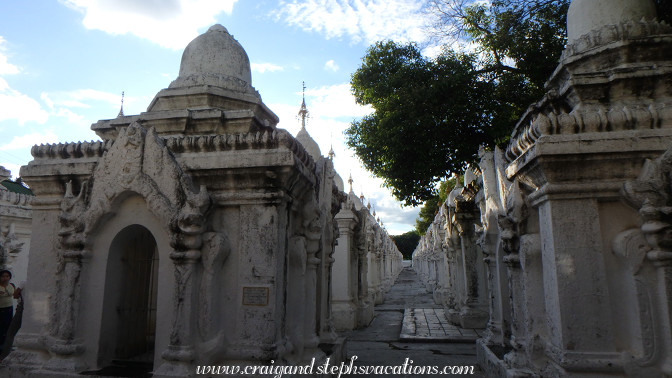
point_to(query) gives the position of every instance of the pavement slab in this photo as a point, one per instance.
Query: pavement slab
(431, 324)
(438, 345)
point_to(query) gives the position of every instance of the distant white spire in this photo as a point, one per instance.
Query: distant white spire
(303, 112)
(121, 111)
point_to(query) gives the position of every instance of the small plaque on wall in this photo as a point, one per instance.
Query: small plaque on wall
(255, 296)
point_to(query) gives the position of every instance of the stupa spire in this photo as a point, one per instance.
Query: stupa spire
(121, 110)
(303, 112)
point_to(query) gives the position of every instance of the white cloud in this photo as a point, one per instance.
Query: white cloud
(18, 106)
(15, 105)
(81, 107)
(27, 141)
(72, 117)
(169, 23)
(266, 67)
(13, 168)
(335, 101)
(80, 98)
(102, 102)
(331, 66)
(361, 20)
(5, 67)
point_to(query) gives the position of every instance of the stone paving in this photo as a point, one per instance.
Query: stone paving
(430, 324)
(381, 343)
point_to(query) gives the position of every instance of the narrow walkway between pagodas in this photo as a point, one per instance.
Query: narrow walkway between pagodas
(409, 325)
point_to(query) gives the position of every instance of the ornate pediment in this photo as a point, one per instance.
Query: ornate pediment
(138, 163)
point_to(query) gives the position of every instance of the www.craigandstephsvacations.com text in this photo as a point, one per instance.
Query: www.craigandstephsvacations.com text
(338, 370)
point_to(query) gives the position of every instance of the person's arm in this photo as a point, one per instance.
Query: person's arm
(17, 290)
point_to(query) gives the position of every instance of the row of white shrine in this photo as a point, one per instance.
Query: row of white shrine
(561, 246)
(236, 239)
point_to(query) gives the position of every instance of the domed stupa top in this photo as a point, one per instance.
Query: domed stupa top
(309, 143)
(339, 182)
(215, 58)
(585, 16)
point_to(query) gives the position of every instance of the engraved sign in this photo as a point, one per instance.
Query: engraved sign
(255, 296)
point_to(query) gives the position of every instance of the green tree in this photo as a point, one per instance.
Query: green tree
(430, 208)
(426, 215)
(406, 243)
(431, 115)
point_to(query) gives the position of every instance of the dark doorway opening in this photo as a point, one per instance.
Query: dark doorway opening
(128, 331)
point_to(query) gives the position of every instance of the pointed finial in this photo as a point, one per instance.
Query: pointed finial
(303, 112)
(350, 182)
(331, 146)
(121, 111)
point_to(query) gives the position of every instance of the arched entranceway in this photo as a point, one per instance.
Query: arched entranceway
(128, 326)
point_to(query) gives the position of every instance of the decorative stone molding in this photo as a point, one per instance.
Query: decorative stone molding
(185, 144)
(584, 119)
(13, 198)
(594, 88)
(70, 150)
(615, 33)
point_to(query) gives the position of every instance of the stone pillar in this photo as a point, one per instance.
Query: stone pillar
(471, 312)
(573, 264)
(66, 350)
(310, 332)
(662, 260)
(492, 168)
(296, 284)
(64, 347)
(453, 258)
(378, 298)
(364, 301)
(345, 273)
(181, 351)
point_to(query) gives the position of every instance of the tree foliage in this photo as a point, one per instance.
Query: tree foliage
(420, 117)
(406, 243)
(430, 208)
(431, 115)
(426, 215)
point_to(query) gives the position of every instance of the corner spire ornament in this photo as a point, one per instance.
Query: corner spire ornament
(303, 112)
(331, 146)
(121, 110)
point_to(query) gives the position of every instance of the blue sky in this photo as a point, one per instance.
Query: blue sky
(64, 64)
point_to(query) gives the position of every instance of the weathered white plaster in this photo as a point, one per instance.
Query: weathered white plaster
(585, 16)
